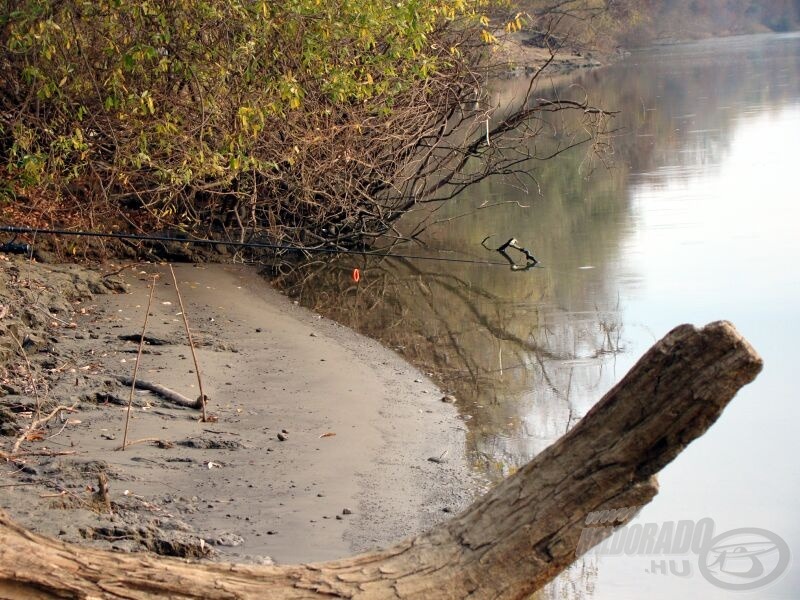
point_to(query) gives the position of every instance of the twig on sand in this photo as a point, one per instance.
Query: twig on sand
(50, 315)
(118, 271)
(136, 366)
(30, 374)
(60, 431)
(35, 425)
(162, 391)
(202, 399)
(6, 456)
(67, 494)
(101, 497)
(160, 442)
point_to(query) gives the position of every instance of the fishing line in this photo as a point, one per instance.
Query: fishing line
(254, 245)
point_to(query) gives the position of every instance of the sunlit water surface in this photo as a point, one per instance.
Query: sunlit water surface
(696, 219)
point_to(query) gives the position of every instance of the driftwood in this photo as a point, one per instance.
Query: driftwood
(531, 260)
(162, 391)
(506, 545)
(512, 243)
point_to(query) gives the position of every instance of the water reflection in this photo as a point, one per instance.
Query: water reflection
(695, 221)
(523, 351)
(680, 104)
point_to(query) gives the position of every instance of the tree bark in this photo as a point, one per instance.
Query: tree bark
(508, 544)
(162, 391)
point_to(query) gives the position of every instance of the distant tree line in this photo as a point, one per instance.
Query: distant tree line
(649, 20)
(631, 22)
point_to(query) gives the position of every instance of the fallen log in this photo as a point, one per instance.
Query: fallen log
(164, 392)
(508, 544)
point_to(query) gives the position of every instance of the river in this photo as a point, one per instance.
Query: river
(694, 217)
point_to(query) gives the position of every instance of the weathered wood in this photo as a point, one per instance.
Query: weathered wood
(162, 391)
(506, 545)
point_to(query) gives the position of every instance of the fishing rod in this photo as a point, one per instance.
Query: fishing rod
(253, 245)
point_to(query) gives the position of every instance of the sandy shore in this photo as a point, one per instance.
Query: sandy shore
(522, 58)
(359, 423)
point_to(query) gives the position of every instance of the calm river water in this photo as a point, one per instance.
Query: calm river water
(696, 218)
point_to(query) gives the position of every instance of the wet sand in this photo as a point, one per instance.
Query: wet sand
(359, 423)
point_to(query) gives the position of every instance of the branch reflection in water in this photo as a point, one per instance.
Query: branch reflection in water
(522, 372)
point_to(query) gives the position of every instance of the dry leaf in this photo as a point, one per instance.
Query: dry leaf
(328, 434)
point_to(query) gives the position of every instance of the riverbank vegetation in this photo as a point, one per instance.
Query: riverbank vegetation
(293, 122)
(307, 121)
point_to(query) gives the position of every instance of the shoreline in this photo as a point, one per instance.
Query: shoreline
(231, 490)
(522, 58)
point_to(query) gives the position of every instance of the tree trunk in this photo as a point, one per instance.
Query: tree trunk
(508, 544)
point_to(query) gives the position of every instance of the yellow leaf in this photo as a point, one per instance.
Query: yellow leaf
(487, 37)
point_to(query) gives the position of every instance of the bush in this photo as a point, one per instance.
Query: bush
(297, 117)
